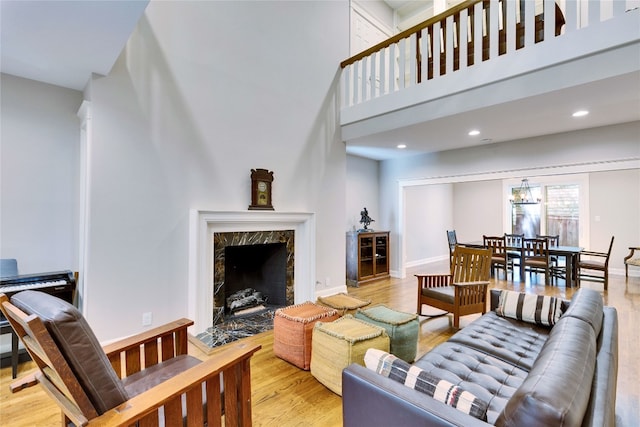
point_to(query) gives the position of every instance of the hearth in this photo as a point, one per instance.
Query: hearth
(256, 267)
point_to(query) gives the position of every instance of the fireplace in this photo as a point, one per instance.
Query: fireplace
(262, 261)
(206, 264)
(255, 276)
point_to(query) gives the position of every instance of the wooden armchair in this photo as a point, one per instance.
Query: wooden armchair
(596, 267)
(145, 380)
(464, 290)
(630, 260)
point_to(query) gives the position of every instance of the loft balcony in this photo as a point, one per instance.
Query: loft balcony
(481, 54)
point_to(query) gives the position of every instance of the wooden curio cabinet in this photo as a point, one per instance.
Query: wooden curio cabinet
(367, 256)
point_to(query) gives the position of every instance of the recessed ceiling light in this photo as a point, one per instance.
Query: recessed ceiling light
(580, 113)
(401, 146)
(474, 132)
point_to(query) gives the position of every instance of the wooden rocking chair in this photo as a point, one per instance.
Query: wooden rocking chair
(464, 290)
(145, 380)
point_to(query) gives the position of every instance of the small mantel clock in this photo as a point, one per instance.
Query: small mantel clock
(261, 180)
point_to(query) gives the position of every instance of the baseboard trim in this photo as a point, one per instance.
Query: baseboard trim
(425, 261)
(331, 291)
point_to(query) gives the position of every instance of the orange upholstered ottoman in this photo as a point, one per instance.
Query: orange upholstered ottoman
(293, 329)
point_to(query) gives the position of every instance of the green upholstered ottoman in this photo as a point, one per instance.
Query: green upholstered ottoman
(402, 328)
(292, 330)
(338, 344)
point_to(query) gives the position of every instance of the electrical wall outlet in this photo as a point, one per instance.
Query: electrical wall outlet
(147, 319)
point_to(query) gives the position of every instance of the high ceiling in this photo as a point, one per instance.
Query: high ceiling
(63, 42)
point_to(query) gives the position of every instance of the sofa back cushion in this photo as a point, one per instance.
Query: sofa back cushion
(539, 309)
(78, 345)
(392, 367)
(586, 305)
(557, 390)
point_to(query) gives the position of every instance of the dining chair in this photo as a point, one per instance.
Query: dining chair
(596, 266)
(452, 240)
(514, 250)
(536, 257)
(499, 253)
(554, 267)
(464, 290)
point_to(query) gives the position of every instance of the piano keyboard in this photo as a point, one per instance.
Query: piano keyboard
(33, 285)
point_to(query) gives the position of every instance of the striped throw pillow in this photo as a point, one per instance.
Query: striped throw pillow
(539, 309)
(396, 369)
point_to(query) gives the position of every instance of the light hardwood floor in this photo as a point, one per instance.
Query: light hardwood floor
(284, 395)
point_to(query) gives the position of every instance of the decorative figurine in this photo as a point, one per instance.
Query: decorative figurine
(365, 219)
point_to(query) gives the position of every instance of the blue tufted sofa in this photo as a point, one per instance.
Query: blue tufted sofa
(528, 375)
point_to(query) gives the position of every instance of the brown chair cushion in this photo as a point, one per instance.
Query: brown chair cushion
(78, 345)
(441, 293)
(596, 265)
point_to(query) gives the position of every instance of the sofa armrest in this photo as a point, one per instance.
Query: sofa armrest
(373, 400)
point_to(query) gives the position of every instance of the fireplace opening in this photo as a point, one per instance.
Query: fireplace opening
(255, 277)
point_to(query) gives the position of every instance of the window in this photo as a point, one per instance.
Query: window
(562, 206)
(562, 209)
(525, 219)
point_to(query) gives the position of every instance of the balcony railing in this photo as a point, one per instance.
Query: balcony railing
(465, 36)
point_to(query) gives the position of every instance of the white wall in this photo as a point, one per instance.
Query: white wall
(40, 143)
(614, 210)
(593, 149)
(378, 9)
(361, 191)
(477, 210)
(429, 213)
(204, 92)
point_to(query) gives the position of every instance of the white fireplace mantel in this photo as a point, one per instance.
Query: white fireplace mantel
(203, 224)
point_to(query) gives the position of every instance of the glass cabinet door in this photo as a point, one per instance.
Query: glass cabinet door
(366, 256)
(381, 254)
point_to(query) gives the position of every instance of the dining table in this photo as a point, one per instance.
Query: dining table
(569, 253)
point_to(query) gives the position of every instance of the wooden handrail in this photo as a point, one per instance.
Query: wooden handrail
(466, 35)
(408, 32)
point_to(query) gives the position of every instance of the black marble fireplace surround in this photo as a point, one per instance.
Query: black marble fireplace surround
(262, 260)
